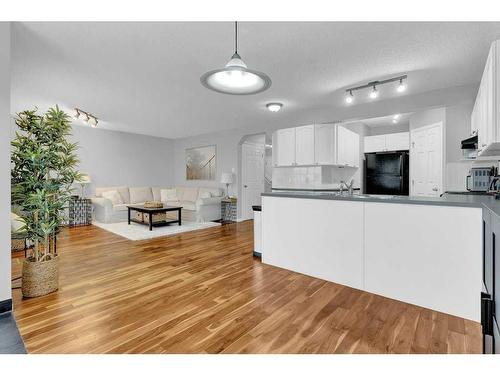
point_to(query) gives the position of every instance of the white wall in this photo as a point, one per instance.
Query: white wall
(5, 262)
(115, 158)
(388, 129)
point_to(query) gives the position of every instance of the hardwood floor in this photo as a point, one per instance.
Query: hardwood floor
(202, 292)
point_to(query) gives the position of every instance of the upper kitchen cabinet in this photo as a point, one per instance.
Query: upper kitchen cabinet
(285, 141)
(304, 145)
(347, 147)
(375, 143)
(387, 142)
(485, 114)
(323, 144)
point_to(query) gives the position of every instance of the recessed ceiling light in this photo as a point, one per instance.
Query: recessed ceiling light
(374, 93)
(274, 107)
(396, 116)
(349, 98)
(401, 86)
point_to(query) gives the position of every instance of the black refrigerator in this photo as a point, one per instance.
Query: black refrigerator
(387, 173)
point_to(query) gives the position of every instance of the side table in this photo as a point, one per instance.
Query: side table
(229, 210)
(80, 211)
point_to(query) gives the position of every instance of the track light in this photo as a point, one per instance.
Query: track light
(89, 118)
(76, 113)
(401, 86)
(374, 93)
(349, 97)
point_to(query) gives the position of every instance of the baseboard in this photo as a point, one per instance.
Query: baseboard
(5, 306)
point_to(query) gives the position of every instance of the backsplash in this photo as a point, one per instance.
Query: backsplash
(315, 177)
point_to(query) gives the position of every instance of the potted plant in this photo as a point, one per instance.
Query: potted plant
(43, 164)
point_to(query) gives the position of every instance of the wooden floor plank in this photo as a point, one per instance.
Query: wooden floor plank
(203, 292)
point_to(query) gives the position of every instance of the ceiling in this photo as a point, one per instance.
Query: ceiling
(377, 122)
(144, 77)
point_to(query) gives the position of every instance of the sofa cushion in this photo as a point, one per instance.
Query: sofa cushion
(120, 207)
(16, 222)
(140, 194)
(188, 205)
(156, 193)
(168, 195)
(214, 192)
(187, 194)
(122, 190)
(113, 196)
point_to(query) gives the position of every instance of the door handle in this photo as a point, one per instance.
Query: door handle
(245, 186)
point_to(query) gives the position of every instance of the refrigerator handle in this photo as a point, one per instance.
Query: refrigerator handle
(401, 173)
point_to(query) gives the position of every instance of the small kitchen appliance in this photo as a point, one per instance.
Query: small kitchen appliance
(479, 178)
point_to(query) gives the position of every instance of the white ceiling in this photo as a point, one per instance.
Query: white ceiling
(144, 77)
(377, 122)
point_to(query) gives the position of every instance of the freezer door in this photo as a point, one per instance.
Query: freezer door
(386, 163)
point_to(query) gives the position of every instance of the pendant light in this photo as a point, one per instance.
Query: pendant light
(235, 78)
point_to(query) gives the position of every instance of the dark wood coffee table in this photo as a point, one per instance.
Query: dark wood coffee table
(151, 212)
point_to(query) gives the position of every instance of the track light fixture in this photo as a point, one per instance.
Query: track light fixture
(87, 117)
(349, 97)
(401, 86)
(374, 93)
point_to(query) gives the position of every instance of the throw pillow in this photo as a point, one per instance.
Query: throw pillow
(205, 194)
(113, 196)
(16, 222)
(168, 195)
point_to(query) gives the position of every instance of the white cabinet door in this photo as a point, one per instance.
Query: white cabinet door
(354, 149)
(375, 143)
(343, 146)
(397, 141)
(324, 144)
(275, 149)
(286, 147)
(304, 145)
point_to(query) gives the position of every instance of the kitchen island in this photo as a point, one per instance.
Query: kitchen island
(423, 251)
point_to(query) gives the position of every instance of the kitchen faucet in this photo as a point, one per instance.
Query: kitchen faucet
(349, 187)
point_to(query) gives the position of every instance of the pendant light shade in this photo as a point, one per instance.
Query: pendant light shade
(235, 78)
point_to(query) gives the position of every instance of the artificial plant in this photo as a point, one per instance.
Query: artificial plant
(43, 169)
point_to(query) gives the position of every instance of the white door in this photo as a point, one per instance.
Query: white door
(252, 177)
(286, 147)
(304, 145)
(426, 161)
(375, 143)
(397, 141)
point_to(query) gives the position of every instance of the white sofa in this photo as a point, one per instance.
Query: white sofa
(198, 204)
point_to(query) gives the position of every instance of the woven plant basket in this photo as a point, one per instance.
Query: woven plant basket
(40, 278)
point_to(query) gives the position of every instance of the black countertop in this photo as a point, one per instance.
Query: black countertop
(458, 200)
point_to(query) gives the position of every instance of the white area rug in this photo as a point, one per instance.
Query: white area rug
(137, 232)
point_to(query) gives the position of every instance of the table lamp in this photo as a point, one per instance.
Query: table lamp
(84, 180)
(227, 178)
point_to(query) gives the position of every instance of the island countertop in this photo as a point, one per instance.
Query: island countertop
(422, 251)
(460, 200)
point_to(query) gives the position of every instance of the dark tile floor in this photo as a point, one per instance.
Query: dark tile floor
(10, 340)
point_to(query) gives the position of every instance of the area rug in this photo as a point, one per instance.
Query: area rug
(136, 232)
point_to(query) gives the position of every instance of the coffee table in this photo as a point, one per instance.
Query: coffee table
(151, 212)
